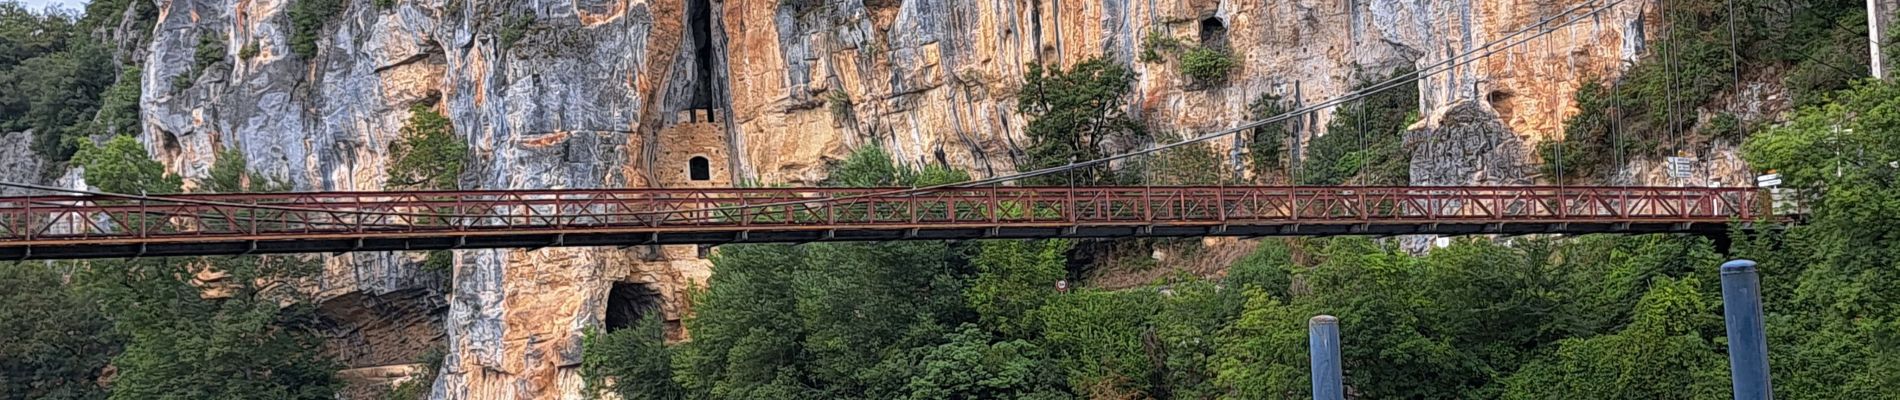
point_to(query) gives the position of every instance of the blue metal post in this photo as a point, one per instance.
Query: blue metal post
(1323, 333)
(1747, 344)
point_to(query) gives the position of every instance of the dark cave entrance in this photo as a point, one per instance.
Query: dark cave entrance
(627, 302)
(1213, 33)
(699, 23)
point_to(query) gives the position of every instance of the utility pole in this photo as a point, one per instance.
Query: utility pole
(1879, 17)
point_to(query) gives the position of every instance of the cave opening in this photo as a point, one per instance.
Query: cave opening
(699, 168)
(1213, 33)
(628, 302)
(699, 22)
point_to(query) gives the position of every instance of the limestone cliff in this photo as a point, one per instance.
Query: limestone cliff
(671, 93)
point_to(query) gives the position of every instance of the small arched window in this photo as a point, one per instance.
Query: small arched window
(699, 169)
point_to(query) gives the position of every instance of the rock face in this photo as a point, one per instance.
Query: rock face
(18, 162)
(685, 93)
(1466, 144)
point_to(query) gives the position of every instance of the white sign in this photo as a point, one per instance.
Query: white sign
(1681, 167)
(1770, 180)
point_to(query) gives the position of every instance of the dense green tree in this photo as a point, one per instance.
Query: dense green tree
(633, 363)
(1669, 352)
(970, 365)
(237, 344)
(57, 340)
(1016, 277)
(1264, 354)
(1833, 332)
(1364, 143)
(1076, 115)
(245, 336)
(121, 165)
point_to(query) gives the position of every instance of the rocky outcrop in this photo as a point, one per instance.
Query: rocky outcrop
(18, 162)
(1466, 144)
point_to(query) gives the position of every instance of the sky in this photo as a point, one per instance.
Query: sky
(75, 5)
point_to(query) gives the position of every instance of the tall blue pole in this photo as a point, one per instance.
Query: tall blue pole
(1323, 335)
(1747, 344)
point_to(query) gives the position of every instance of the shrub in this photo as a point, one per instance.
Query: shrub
(839, 103)
(1158, 43)
(515, 28)
(1266, 145)
(428, 155)
(209, 52)
(1365, 140)
(633, 363)
(249, 51)
(385, 4)
(307, 18)
(1207, 65)
(119, 107)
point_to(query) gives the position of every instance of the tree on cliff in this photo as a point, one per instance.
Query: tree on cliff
(428, 155)
(1077, 115)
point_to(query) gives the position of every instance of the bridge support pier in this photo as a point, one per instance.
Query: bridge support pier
(1747, 344)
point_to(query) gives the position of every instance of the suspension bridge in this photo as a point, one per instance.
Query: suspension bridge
(94, 226)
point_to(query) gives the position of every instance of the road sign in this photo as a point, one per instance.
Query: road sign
(1681, 167)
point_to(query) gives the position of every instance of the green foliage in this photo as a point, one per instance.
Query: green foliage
(633, 363)
(1014, 279)
(119, 106)
(52, 78)
(1075, 115)
(871, 166)
(1838, 319)
(1668, 353)
(1098, 338)
(417, 386)
(1188, 164)
(307, 19)
(969, 365)
(249, 51)
(58, 340)
(121, 165)
(181, 345)
(231, 174)
(1585, 152)
(1263, 355)
(1266, 144)
(514, 28)
(429, 155)
(1364, 143)
(1158, 43)
(839, 103)
(1208, 65)
(385, 4)
(210, 51)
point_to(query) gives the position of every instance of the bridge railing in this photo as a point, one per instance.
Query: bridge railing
(55, 219)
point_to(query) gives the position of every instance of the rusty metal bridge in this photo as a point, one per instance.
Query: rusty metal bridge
(95, 226)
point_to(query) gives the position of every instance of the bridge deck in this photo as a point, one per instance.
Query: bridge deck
(54, 227)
